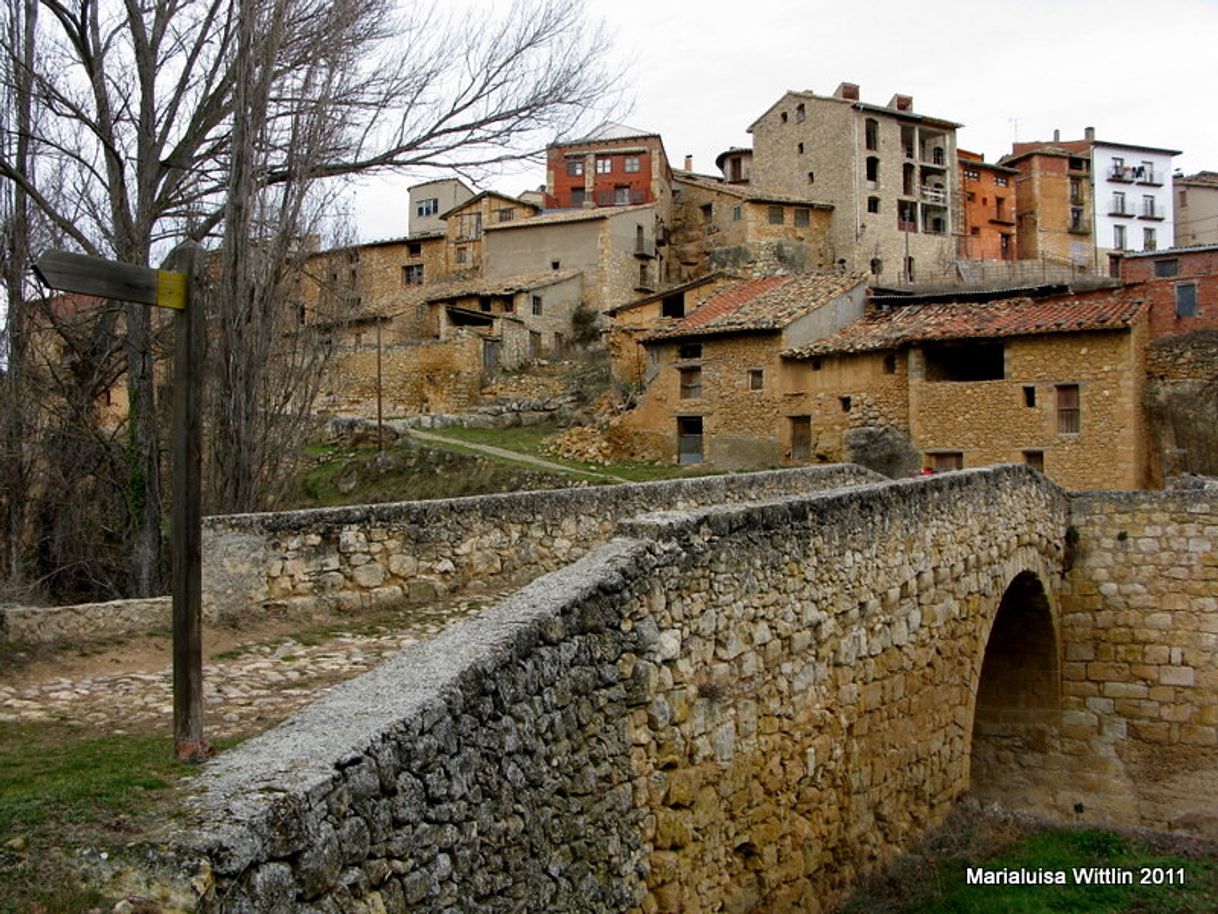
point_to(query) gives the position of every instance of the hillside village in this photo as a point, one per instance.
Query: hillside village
(853, 287)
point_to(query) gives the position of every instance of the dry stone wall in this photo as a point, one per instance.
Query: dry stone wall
(84, 621)
(342, 558)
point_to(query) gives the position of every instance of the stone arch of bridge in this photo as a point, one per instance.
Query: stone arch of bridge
(1018, 700)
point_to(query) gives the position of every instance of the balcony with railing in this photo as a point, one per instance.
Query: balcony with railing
(621, 196)
(1151, 210)
(934, 195)
(1122, 173)
(1146, 174)
(1119, 206)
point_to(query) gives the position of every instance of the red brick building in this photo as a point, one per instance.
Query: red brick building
(614, 165)
(988, 191)
(1181, 285)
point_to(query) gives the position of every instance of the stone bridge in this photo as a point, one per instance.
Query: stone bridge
(743, 708)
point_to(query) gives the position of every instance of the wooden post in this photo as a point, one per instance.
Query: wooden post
(186, 535)
(380, 422)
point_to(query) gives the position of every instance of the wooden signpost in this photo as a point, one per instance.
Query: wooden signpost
(179, 287)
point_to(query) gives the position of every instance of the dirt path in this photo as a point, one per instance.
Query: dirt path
(254, 677)
(504, 453)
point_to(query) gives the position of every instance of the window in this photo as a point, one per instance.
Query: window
(690, 383)
(845, 402)
(871, 133)
(946, 461)
(644, 276)
(1118, 204)
(604, 165)
(506, 214)
(689, 351)
(428, 206)
(484, 305)
(811, 177)
(799, 148)
(1000, 180)
(555, 264)
(1068, 418)
(873, 204)
(756, 379)
(708, 212)
(621, 195)
(414, 248)
(776, 215)
(972, 174)
(631, 164)
(1165, 268)
(1029, 395)
(1035, 459)
(890, 364)
(1148, 206)
(1148, 239)
(803, 217)
(873, 169)
(736, 214)
(673, 306)
(1118, 168)
(689, 439)
(981, 361)
(1118, 237)
(461, 255)
(783, 117)
(412, 274)
(575, 167)
(1186, 299)
(1076, 190)
(877, 266)
(578, 195)
(800, 114)
(537, 306)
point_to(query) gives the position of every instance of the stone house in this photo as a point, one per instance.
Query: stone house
(889, 172)
(520, 317)
(1057, 384)
(631, 323)
(1196, 208)
(614, 247)
(713, 393)
(735, 227)
(988, 194)
(464, 223)
(1179, 284)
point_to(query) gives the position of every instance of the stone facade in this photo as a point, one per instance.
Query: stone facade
(1053, 202)
(890, 175)
(614, 248)
(341, 558)
(732, 228)
(419, 377)
(463, 225)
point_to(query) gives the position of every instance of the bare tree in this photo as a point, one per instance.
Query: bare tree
(166, 119)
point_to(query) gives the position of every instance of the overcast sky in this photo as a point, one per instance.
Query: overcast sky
(699, 72)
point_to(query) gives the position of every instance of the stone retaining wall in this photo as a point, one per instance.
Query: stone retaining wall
(87, 621)
(729, 708)
(343, 558)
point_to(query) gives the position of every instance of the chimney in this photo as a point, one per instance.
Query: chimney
(1089, 134)
(901, 102)
(689, 163)
(1057, 135)
(847, 91)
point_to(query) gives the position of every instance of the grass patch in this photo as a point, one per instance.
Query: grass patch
(62, 790)
(934, 878)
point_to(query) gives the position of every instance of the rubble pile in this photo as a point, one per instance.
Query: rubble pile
(600, 444)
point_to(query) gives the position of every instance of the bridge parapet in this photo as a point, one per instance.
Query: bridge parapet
(740, 704)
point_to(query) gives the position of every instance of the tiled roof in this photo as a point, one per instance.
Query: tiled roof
(895, 327)
(769, 303)
(665, 292)
(566, 215)
(742, 191)
(507, 285)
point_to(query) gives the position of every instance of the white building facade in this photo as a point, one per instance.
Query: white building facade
(1133, 198)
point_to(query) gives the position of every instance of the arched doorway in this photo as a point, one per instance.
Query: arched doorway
(1018, 709)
